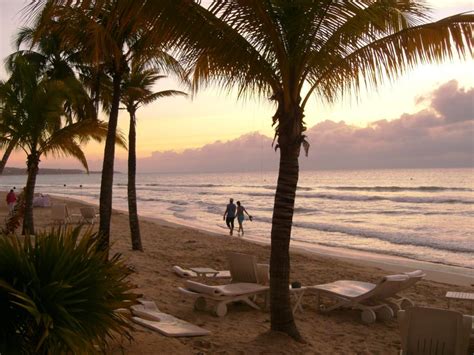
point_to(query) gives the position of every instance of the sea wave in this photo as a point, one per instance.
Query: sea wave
(400, 199)
(397, 188)
(399, 238)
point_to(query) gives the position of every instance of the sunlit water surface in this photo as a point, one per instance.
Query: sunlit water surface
(420, 214)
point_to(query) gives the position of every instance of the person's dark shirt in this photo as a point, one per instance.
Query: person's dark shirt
(230, 210)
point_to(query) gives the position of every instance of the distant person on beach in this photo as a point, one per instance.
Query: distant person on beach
(11, 201)
(229, 215)
(240, 217)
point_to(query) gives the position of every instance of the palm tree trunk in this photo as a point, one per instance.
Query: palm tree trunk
(33, 164)
(6, 155)
(131, 189)
(282, 220)
(107, 181)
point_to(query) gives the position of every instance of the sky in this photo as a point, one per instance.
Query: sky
(190, 128)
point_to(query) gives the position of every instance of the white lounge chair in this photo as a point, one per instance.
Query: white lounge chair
(365, 296)
(88, 215)
(434, 331)
(60, 214)
(223, 294)
(187, 273)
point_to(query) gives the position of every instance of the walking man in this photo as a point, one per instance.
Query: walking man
(229, 215)
(11, 201)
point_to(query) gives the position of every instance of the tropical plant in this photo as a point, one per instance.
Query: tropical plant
(59, 295)
(137, 90)
(41, 124)
(108, 35)
(288, 50)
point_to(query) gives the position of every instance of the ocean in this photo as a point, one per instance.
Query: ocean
(425, 214)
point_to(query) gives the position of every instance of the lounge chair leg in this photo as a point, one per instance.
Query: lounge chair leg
(220, 309)
(406, 303)
(384, 312)
(250, 303)
(200, 304)
(394, 306)
(368, 316)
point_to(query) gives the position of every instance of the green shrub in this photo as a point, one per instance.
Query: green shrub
(58, 294)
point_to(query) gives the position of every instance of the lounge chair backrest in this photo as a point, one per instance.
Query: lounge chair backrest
(414, 277)
(434, 331)
(59, 212)
(388, 286)
(407, 279)
(243, 268)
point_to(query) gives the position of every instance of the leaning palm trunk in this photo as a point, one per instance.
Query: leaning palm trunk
(107, 181)
(28, 223)
(6, 155)
(131, 189)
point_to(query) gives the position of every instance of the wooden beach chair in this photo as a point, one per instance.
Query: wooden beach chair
(222, 295)
(434, 331)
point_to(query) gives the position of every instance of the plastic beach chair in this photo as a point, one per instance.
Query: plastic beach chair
(148, 315)
(365, 296)
(434, 331)
(223, 294)
(88, 215)
(60, 214)
(244, 268)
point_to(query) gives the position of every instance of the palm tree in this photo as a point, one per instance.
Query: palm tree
(137, 90)
(56, 64)
(288, 50)
(8, 137)
(42, 124)
(108, 35)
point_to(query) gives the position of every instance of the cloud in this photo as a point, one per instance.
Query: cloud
(439, 136)
(442, 135)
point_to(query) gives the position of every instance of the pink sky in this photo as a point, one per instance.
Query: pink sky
(192, 126)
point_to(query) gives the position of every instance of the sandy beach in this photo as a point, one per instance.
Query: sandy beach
(244, 330)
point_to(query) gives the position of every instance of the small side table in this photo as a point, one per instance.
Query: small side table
(297, 294)
(465, 296)
(204, 271)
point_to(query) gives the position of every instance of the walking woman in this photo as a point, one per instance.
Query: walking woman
(240, 217)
